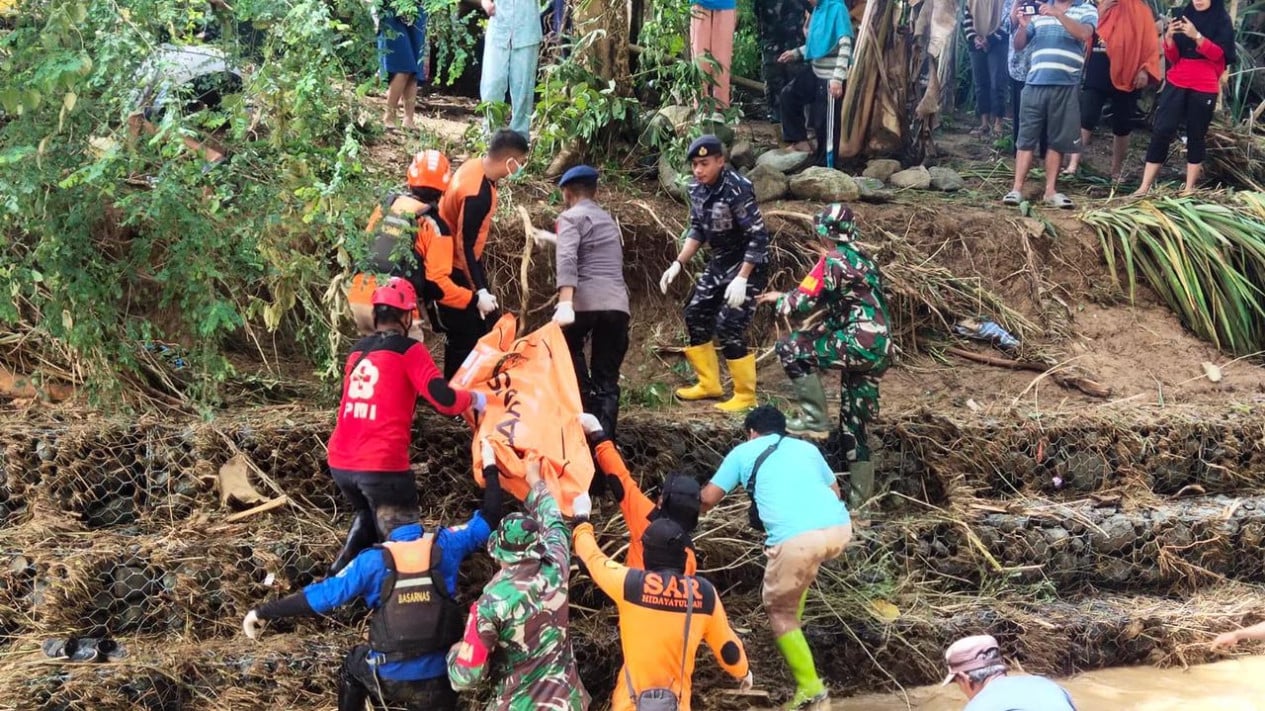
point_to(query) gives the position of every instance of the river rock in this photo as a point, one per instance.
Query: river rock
(671, 180)
(945, 179)
(768, 183)
(674, 118)
(742, 155)
(916, 177)
(782, 160)
(881, 168)
(824, 185)
(872, 190)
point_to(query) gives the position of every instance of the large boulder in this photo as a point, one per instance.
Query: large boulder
(767, 183)
(881, 168)
(916, 177)
(783, 160)
(671, 179)
(824, 185)
(742, 155)
(946, 179)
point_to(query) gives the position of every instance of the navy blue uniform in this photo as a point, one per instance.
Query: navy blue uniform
(727, 219)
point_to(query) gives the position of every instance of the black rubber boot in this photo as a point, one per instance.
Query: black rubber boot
(351, 695)
(363, 533)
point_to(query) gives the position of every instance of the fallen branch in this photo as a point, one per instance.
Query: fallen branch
(1085, 385)
(269, 505)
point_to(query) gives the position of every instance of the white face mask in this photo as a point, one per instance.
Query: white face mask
(514, 173)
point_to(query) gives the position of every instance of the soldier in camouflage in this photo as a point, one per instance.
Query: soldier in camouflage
(781, 27)
(517, 634)
(725, 216)
(844, 326)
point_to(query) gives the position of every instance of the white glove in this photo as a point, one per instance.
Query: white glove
(590, 424)
(564, 314)
(736, 292)
(479, 401)
(668, 276)
(545, 237)
(747, 682)
(489, 454)
(486, 303)
(250, 625)
(784, 306)
(582, 506)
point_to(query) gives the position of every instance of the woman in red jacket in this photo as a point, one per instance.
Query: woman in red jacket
(1198, 47)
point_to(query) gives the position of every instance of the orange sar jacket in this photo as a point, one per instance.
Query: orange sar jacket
(467, 206)
(652, 609)
(635, 505)
(432, 247)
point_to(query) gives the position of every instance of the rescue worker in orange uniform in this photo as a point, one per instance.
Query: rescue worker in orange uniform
(664, 615)
(398, 215)
(678, 502)
(468, 206)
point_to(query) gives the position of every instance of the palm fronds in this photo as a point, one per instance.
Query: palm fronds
(1205, 259)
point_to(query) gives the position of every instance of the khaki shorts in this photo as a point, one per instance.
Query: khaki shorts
(793, 566)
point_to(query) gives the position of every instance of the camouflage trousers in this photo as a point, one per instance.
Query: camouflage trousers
(803, 352)
(780, 24)
(708, 317)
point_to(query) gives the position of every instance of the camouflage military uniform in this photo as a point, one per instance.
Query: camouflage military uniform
(517, 633)
(725, 216)
(781, 27)
(849, 333)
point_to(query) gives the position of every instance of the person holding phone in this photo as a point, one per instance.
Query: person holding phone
(1198, 46)
(1058, 35)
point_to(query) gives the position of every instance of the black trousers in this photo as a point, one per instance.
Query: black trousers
(1177, 106)
(808, 91)
(462, 329)
(606, 333)
(366, 491)
(357, 682)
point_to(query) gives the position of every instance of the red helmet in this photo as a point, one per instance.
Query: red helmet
(429, 170)
(398, 293)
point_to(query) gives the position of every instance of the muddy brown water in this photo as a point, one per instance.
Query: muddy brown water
(1231, 685)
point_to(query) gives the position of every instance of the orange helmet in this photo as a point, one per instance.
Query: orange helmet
(429, 170)
(398, 293)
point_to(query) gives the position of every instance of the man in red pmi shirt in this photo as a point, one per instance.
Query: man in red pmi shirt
(368, 451)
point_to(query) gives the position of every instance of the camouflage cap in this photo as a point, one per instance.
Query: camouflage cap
(516, 539)
(836, 222)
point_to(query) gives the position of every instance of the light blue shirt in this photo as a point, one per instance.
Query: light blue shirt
(1021, 693)
(515, 25)
(1058, 57)
(793, 488)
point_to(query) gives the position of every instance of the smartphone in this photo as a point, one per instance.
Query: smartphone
(1175, 12)
(1028, 8)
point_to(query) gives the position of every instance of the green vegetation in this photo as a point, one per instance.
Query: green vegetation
(1205, 259)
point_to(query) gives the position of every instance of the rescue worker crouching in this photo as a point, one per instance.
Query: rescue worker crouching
(398, 217)
(408, 582)
(725, 216)
(467, 207)
(844, 327)
(517, 635)
(592, 297)
(664, 615)
(382, 380)
(679, 501)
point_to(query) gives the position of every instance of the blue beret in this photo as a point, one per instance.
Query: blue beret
(705, 146)
(580, 172)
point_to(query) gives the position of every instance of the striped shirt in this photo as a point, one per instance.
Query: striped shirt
(968, 26)
(835, 65)
(1057, 56)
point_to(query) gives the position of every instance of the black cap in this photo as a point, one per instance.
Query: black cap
(664, 543)
(705, 146)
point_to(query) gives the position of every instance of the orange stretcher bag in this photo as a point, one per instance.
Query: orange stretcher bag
(533, 406)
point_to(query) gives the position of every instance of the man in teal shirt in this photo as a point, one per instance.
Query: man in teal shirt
(806, 522)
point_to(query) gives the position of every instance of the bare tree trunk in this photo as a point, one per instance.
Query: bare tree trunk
(607, 55)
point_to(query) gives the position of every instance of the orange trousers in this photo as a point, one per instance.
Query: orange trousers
(712, 32)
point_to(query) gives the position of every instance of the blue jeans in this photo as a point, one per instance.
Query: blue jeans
(511, 70)
(988, 69)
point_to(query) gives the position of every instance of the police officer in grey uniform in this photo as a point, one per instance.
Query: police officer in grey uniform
(592, 297)
(723, 215)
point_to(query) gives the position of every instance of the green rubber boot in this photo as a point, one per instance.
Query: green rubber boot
(860, 484)
(809, 691)
(812, 403)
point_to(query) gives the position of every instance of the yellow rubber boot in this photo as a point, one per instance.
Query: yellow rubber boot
(743, 373)
(707, 367)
